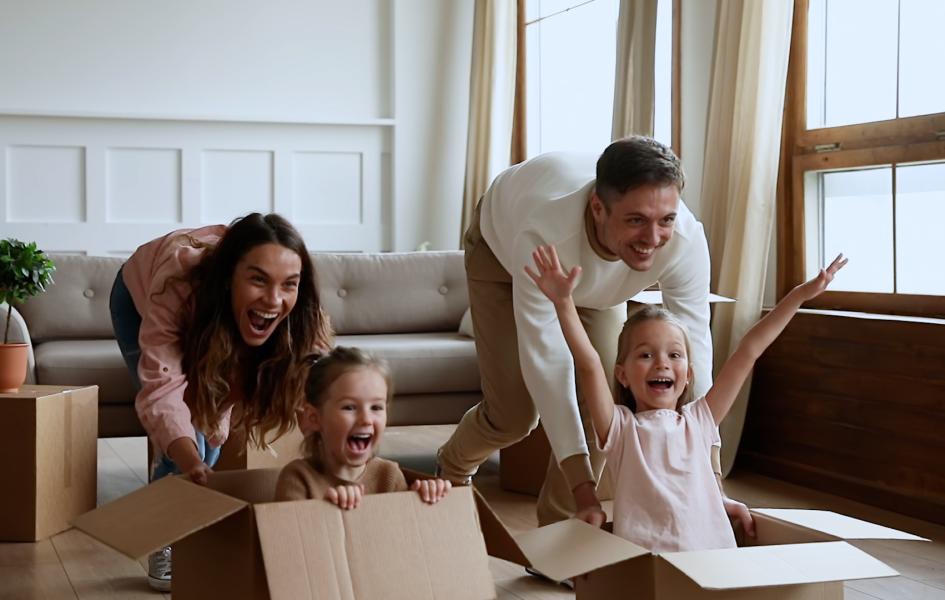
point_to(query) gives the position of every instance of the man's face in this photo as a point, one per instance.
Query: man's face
(638, 224)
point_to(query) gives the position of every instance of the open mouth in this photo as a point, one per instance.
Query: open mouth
(359, 442)
(660, 383)
(261, 321)
(642, 251)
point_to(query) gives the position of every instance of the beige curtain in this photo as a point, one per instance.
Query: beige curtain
(743, 137)
(634, 85)
(491, 97)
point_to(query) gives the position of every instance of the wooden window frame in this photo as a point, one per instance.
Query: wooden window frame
(891, 142)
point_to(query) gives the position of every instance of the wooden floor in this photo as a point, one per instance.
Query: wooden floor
(72, 565)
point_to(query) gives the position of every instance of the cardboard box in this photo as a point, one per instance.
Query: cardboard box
(798, 555)
(237, 454)
(230, 541)
(50, 448)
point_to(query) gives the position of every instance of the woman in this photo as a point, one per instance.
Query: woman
(210, 319)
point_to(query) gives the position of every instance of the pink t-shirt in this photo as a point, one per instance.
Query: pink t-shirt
(666, 498)
(162, 305)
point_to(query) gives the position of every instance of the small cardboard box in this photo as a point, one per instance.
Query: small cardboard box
(230, 541)
(236, 453)
(51, 450)
(797, 555)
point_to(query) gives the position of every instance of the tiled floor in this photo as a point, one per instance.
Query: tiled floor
(72, 565)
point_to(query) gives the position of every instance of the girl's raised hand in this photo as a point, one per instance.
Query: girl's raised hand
(551, 279)
(345, 497)
(813, 288)
(431, 490)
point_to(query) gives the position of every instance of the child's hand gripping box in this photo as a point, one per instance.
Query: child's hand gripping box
(797, 555)
(230, 541)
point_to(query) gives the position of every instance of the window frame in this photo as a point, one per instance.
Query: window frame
(890, 142)
(519, 150)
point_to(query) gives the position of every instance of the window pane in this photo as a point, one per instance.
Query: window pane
(858, 222)
(575, 61)
(921, 48)
(859, 58)
(663, 71)
(920, 215)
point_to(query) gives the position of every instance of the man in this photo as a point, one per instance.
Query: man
(628, 229)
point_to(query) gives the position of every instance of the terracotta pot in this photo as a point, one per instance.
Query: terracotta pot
(12, 366)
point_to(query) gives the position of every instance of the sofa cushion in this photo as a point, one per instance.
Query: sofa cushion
(76, 305)
(424, 363)
(396, 292)
(86, 362)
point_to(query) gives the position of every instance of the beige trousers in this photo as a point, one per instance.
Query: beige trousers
(507, 413)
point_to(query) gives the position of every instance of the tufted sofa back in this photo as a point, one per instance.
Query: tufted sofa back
(363, 293)
(393, 292)
(76, 305)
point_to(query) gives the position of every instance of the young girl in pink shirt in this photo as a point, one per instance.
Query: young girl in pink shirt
(657, 442)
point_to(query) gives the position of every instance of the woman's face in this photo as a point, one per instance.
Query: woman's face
(264, 290)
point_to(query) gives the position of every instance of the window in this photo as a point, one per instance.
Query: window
(570, 56)
(863, 171)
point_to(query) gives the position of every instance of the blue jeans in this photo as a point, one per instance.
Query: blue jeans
(127, 324)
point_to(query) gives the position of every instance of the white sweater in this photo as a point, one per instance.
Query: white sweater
(543, 201)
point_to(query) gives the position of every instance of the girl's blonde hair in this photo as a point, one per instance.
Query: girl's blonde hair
(324, 370)
(622, 394)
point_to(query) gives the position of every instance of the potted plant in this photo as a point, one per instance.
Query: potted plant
(25, 271)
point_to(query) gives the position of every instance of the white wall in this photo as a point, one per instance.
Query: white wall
(120, 121)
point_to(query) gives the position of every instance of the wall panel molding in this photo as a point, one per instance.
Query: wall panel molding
(105, 186)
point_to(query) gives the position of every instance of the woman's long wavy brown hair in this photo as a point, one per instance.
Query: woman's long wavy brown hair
(272, 376)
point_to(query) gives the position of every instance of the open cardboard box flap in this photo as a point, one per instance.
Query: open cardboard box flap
(157, 515)
(835, 525)
(785, 564)
(428, 551)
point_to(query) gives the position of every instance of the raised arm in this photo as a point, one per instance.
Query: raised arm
(557, 285)
(759, 337)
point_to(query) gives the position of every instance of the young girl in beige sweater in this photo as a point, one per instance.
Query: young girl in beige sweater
(347, 394)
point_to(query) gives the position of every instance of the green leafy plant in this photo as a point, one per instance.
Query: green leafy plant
(25, 271)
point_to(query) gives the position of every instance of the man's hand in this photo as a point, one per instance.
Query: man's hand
(588, 506)
(739, 514)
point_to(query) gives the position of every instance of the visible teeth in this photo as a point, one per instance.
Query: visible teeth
(264, 315)
(362, 436)
(643, 250)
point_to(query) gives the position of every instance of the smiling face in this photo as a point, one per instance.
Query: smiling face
(264, 289)
(656, 368)
(637, 224)
(351, 421)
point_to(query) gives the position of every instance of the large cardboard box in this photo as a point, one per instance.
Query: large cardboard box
(50, 451)
(230, 541)
(797, 555)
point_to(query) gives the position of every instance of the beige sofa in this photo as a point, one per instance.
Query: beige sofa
(405, 307)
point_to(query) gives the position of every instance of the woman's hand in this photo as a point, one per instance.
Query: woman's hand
(551, 279)
(345, 497)
(431, 490)
(184, 453)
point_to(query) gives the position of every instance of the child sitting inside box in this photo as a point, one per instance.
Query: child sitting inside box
(347, 393)
(657, 442)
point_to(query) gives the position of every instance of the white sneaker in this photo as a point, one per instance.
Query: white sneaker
(159, 569)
